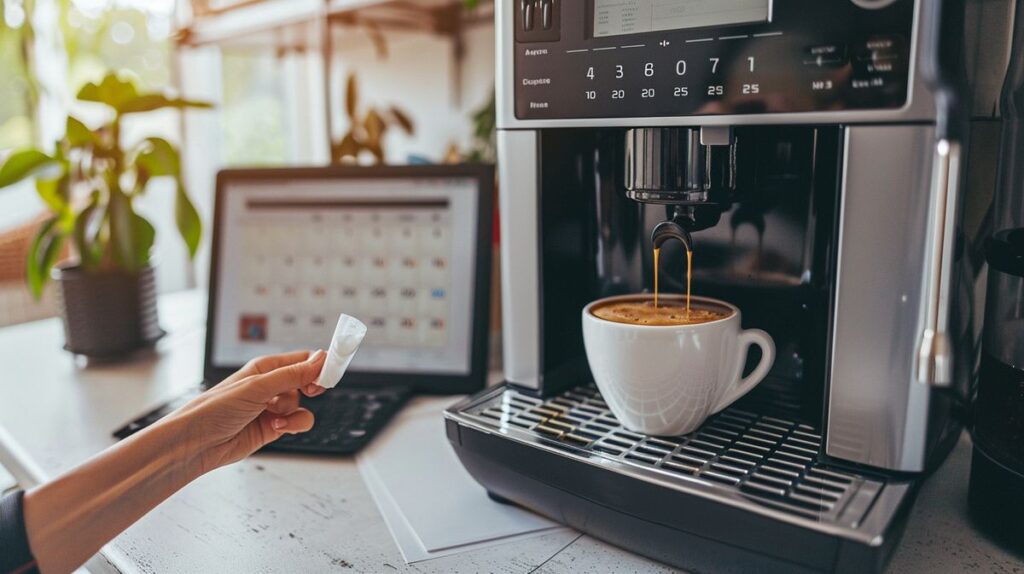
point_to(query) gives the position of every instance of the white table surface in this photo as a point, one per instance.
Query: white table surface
(285, 513)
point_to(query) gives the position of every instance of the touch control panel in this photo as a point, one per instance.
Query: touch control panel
(650, 58)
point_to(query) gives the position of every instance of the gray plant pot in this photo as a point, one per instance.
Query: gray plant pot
(109, 313)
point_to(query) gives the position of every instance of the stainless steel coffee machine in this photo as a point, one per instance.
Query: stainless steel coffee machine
(814, 154)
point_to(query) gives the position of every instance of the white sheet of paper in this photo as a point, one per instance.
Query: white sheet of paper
(408, 544)
(412, 470)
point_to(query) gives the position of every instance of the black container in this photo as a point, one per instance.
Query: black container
(109, 313)
(997, 467)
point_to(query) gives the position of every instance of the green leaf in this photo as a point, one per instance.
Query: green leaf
(122, 230)
(78, 134)
(157, 157)
(143, 236)
(150, 102)
(55, 194)
(29, 163)
(113, 91)
(42, 255)
(86, 233)
(187, 218)
(484, 120)
(131, 234)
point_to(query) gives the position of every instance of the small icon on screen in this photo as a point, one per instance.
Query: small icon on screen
(252, 328)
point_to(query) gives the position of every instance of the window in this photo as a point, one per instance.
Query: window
(127, 35)
(253, 111)
(17, 92)
(76, 42)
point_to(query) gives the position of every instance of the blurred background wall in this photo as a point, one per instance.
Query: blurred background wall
(277, 72)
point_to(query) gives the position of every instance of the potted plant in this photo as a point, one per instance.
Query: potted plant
(89, 184)
(366, 129)
(484, 148)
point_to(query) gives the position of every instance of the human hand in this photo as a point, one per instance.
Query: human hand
(251, 408)
(68, 519)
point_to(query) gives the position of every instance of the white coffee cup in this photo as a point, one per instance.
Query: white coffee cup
(666, 380)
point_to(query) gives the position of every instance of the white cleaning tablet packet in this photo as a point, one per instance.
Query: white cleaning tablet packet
(347, 336)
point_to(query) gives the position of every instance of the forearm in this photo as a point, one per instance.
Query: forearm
(70, 519)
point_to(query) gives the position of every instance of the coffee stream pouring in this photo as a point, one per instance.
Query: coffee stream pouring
(663, 232)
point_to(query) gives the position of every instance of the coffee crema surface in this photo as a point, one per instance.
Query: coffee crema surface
(665, 314)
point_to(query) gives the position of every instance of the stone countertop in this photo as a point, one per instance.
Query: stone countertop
(939, 537)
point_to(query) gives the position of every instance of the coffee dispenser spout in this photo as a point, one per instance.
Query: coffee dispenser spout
(671, 229)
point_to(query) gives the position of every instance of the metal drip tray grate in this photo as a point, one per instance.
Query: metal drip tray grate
(766, 460)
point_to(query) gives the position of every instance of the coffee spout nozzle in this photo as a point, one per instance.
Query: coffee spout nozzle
(671, 230)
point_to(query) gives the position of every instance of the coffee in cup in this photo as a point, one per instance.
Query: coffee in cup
(666, 376)
(663, 313)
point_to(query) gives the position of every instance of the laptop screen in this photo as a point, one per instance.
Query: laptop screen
(396, 252)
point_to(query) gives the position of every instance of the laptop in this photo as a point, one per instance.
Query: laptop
(406, 249)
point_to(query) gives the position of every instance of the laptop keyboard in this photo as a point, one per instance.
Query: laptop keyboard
(155, 414)
(347, 418)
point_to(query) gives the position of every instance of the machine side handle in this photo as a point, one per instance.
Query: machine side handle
(934, 365)
(943, 70)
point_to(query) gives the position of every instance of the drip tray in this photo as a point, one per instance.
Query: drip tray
(759, 466)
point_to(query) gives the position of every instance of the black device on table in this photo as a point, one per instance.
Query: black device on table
(404, 248)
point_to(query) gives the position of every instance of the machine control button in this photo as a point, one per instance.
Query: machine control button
(879, 55)
(879, 48)
(881, 43)
(526, 8)
(825, 55)
(537, 20)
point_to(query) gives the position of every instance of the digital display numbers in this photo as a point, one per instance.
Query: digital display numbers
(618, 17)
(679, 68)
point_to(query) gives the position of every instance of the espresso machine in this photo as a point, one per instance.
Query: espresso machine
(814, 155)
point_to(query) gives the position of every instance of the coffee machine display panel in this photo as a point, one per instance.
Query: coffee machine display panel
(615, 17)
(654, 58)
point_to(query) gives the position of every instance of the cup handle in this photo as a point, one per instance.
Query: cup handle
(743, 385)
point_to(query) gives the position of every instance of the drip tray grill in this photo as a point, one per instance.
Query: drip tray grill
(764, 460)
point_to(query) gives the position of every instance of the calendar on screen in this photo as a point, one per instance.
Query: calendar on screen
(397, 254)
